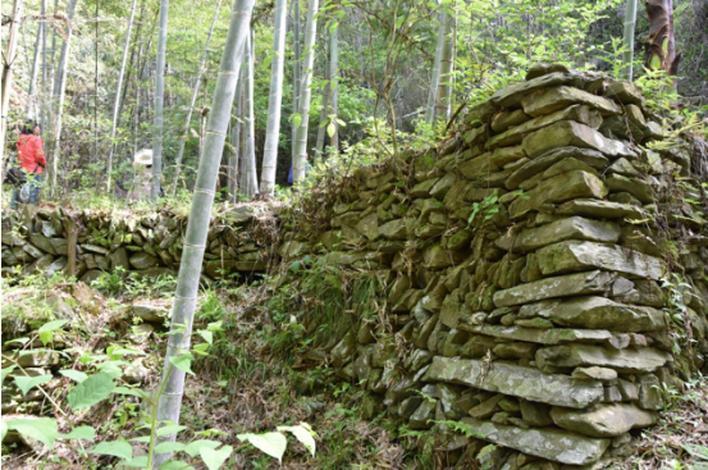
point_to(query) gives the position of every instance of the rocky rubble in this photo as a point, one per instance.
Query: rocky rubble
(530, 266)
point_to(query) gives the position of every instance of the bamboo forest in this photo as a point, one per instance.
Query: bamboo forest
(354, 234)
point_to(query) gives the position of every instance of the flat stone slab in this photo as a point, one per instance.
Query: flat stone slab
(551, 336)
(553, 99)
(604, 420)
(570, 185)
(604, 209)
(551, 444)
(625, 360)
(519, 381)
(575, 227)
(516, 134)
(575, 134)
(512, 95)
(591, 282)
(573, 255)
(592, 158)
(596, 313)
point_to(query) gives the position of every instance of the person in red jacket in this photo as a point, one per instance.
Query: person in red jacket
(30, 153)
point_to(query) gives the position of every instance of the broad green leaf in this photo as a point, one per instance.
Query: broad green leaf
(133, 392)
(5, 372)
(140, 461)
(75, 375)
(214, 458)
(94, 389)
(25, 384)
(207, 335)
(331, 129)
(120, 448)
(201, 349)
(215, 326)
(193, 448)
(271, 443)
(176, 465)
(52, 326)
(697, 450)
(46, 331)
(183, 362)
(142, 439)
(113, 368)
(170, 429)
(169, 447)
(116, 352)
(43, 430)
(22, 340)
(303, 433)
(81, 432)
(3, 430)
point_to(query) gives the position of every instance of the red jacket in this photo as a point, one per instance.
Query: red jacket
(31, 153)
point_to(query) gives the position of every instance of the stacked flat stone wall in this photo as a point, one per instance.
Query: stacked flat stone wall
(528, 261)
(240, 242)
(543, 270)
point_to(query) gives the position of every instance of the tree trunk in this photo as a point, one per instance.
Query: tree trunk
(200, 214)
(119, 94)
(630, 23)
(31, 110)
(59, 93)
(193, 100)
(9, 59)
(275, 98)
(318, 149)
(249, 187)
(49, 98)
(447, 66)
(43, 89)
(299, 165)
(334, 87)
(297, 62)
(159, 117)
(437, 65)
(234, 153)
(661, 44)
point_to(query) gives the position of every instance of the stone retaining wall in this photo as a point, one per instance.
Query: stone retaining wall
(532, 265)
(241, 241)
(543, 270)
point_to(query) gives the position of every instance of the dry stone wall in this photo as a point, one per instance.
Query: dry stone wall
(528, 263)
(543, 275)
(240, 242)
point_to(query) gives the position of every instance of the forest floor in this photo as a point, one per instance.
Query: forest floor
(246, 384)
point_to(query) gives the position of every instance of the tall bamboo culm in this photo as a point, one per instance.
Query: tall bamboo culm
(200, 215)
(159, 117)
(630, 23)
(300, 163)
(193, 101)
(119, 95)
(275, 98)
